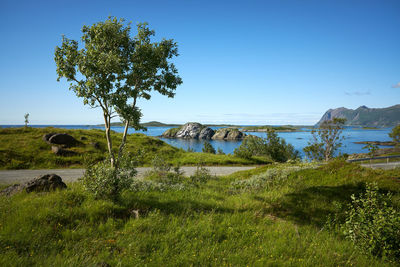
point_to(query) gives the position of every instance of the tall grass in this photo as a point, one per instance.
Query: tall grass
(280, 225)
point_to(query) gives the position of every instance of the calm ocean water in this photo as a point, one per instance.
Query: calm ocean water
(298, 139)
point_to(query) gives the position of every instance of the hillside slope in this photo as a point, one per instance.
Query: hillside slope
(366, 117)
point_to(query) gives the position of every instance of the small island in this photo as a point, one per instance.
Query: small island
(266, 128)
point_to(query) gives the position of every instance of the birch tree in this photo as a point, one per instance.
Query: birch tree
(326, 140)
(114, 70)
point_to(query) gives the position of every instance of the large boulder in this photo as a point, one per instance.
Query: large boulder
(228, 134)
(206, 133)
(47, 182)
(190, 130)
(62, 139)
(46, 137)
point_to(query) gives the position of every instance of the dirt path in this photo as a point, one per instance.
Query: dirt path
(71, 175)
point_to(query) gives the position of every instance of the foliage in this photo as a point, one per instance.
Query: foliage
(271, 177)
(395, 134)
(220, 151)
(372, 224)
(208, 148)
(114, 70)
(273, 147)
(26, 116)
(372, 148)
(326, 140)
(106, 182)
(200, 176)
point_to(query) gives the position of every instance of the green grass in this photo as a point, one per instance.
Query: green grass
(23, 148)
(208, 225)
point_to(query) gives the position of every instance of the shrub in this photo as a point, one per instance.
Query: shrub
(272, 176)
(200, 176)
(208, 148)
(372, 224)
(107, 182)
(161, 172)
(220, 151)
(326, 140)
(273, 147)
(395, 134)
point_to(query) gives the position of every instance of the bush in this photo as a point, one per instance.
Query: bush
(208, 148)
(200, 176)
(220, 151)
(273, 147)
(105, 182)
(272, 176)
(372, 224)
(161, 172)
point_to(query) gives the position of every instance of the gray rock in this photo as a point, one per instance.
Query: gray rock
(206, 133)
(228, 134)
(61, 151)
(62, 139)
(44, 183)
(46, 137)
(190, 130)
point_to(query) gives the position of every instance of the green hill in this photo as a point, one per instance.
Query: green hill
(23, 148)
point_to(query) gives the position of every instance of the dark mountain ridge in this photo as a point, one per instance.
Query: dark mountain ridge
(365, 117)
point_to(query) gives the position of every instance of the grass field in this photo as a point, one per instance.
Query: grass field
(279, 222)
(23, 148)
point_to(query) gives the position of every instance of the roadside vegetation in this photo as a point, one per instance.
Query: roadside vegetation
(23, 148)
(285, 215)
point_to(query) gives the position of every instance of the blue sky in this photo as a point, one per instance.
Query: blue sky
(244, 62)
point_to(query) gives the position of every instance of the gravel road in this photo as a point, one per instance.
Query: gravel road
(71, 175)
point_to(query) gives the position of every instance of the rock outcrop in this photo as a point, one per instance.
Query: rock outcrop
(194, 130)
(206, 133)
(228, 134)
(62, 139)
(47, 182)
(190, 130)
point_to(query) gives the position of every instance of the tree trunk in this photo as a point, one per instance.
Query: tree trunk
(107, 125)
(121, 147)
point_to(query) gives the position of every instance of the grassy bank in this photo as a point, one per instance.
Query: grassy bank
(213, 224)
(23, 148)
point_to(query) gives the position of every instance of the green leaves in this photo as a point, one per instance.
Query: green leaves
(326, 140)
(113, 70)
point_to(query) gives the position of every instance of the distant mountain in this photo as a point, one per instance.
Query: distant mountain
(365, 117)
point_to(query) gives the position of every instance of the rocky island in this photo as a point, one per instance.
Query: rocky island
(194, 130)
